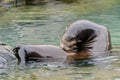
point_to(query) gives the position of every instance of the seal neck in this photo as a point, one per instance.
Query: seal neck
(79, 55)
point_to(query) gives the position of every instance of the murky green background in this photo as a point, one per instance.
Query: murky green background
(45, 24)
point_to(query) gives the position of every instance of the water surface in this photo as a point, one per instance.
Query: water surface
(45, 25)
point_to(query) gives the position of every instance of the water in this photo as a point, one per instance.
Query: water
(46, 24)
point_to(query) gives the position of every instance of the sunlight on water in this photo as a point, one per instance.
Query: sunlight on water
(45, 25)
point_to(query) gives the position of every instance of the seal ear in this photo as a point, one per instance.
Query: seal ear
(64, 33)
(66, 28)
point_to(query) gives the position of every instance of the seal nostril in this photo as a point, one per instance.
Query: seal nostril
(66, 49)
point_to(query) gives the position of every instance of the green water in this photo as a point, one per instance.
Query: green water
(45, 25)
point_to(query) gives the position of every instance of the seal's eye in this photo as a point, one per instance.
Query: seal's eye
(69, 39)
(70, 46)
(74, 47)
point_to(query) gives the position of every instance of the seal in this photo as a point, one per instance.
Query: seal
(26, 53)
(84, 39)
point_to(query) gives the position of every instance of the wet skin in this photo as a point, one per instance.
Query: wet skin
(25, 53)
(86, 39)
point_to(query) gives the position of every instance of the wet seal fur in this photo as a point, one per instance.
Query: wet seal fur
(26, 53)
(84, 39)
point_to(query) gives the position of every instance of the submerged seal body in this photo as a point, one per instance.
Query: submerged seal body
(25, 53)
(86, 39)
(6, 54)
